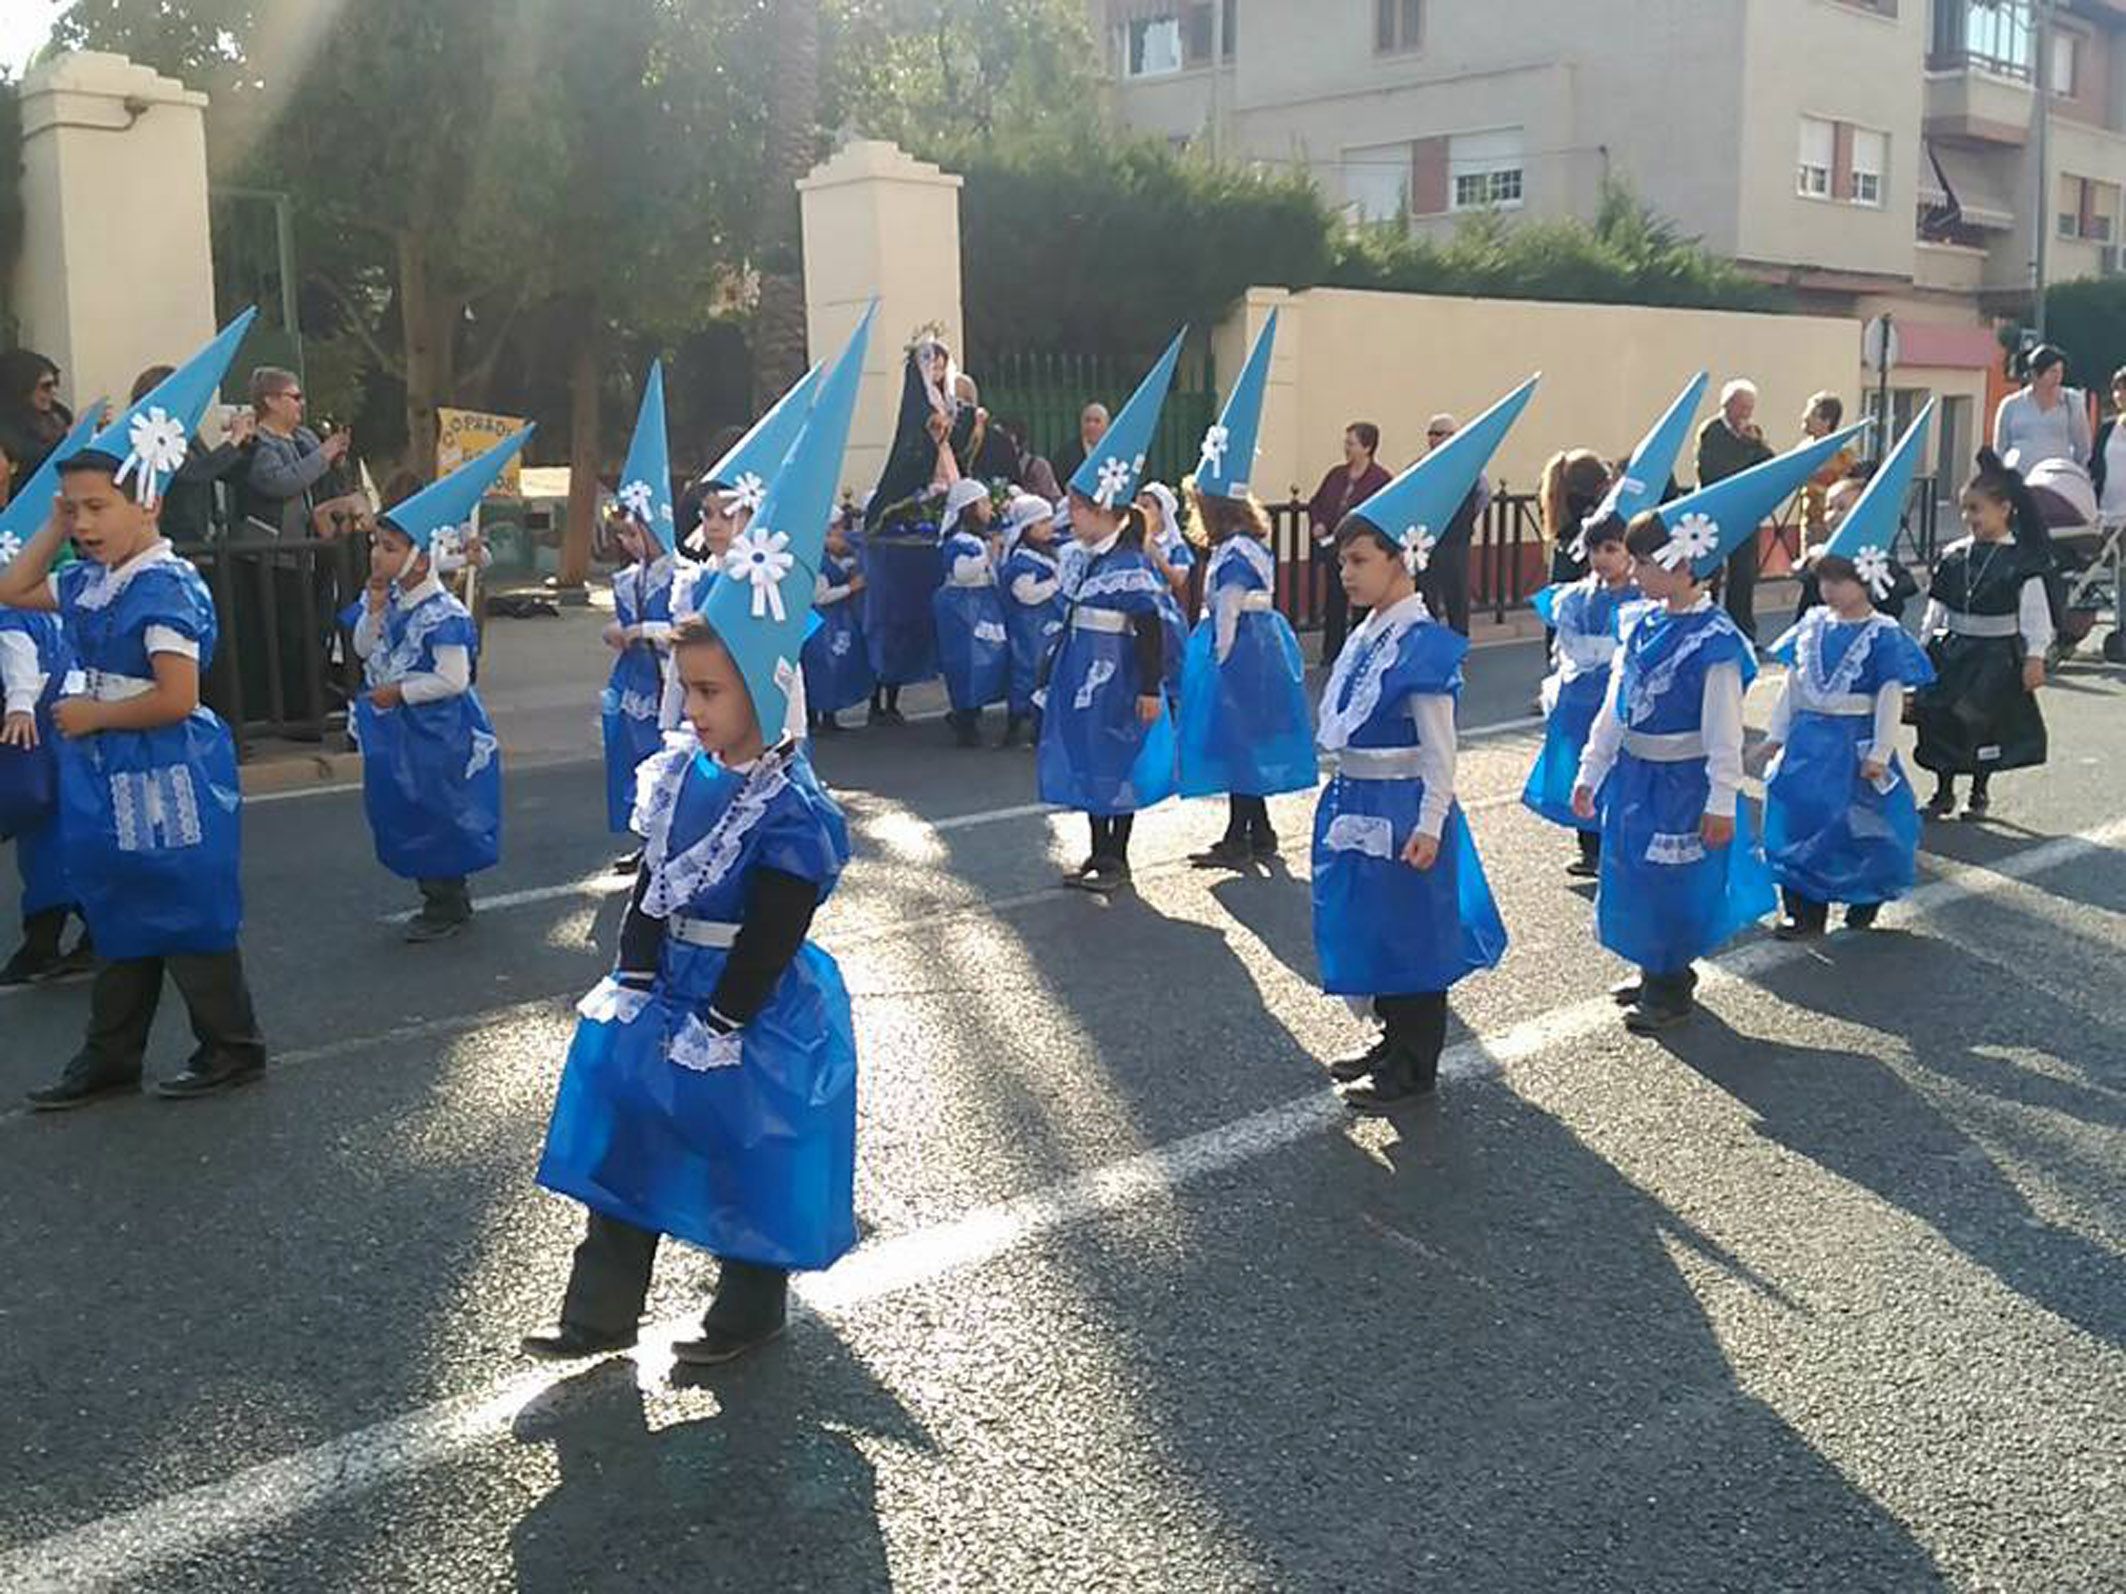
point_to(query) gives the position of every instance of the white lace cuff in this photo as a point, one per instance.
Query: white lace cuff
(694, 1045)
(610, 1002)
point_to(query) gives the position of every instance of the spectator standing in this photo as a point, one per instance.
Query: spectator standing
(2046, 419)
(1729, 444)
(32, 420)
(1345, 487)
(2107, 459)
(1092, 426)
(188, 502)
(1445, 582)
(1825, 414)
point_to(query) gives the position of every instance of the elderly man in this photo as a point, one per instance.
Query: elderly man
(1729, 444)
(1092, 426)
(1445, 580)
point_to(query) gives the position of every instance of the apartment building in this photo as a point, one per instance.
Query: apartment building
(1869, 154)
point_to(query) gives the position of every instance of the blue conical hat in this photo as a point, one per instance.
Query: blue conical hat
(1869, 531)
(646, 478)
(1653, 462)
(754, 459)
(31, 506)
(763, 606)
(1229, 447)
(147, 442)
(1112, 472)
(1415, 508)
(447, 505)
(1711, 523)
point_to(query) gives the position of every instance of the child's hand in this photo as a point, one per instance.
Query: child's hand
(1759, 759)
(77, 717)
(1717, 829)
(857, 584)
(1421, 851)
(2033, 674)
(1872, 770)
(19, 730)
(1583, 802)
(387, 697)
(1149, 708)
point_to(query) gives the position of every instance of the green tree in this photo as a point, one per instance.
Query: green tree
(2087, 318)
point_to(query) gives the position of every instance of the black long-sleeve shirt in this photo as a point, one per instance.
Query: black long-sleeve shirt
(778, 915)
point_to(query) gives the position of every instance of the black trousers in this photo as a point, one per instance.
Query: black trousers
(1416, 1025)
(1590, 845)
(610, 1281)
(1247, 816)
(122, 1006)
(1111, 835)
(446, 899)
(1445, 585)
(1669, 991)
(1740, 591)
(1335, 616)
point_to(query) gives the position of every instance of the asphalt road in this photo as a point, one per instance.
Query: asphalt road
(1826, 1292)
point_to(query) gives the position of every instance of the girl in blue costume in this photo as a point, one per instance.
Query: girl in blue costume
(431, 767)
(837, 673)
(974, 649)
(1585, 618)
(1402, 911)
(1246, 726)
(1033, 607)
(710, 1091)
(641, 638)
(147, 774)
(1680, 873)
(1840, 822)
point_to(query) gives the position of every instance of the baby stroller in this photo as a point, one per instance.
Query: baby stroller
(2089, 554)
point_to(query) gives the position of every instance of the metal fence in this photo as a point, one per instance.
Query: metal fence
(285, 666)
(1047, 392)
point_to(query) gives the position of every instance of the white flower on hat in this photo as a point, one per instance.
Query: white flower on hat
(156, 440)
(1418, 543)
(1697, 536)
(1215, 442)
(745, 493)
(636, 497)
(1114, 481)
(1872, 565)
(445, 542)
(10, 546)
(760, 556)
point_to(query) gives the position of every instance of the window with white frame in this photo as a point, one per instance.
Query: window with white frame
(1398, 25)
(2065, 51)
(1871, 158)
(1485, 170)
(1376, 182)
(1151, 46)
(1819, 153)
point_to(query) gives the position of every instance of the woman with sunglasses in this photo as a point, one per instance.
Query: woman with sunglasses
(32, 420)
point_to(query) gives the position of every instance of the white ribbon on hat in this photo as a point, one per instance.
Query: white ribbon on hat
(1418, 543)
(1114, 480)
(1696, 537)
(157, 442)
(760, 556)
(637, 498)
(745, 493)
(1215, 442)
(10, 547)
(1872, 565)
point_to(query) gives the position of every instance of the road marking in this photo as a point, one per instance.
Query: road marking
(128, 1544)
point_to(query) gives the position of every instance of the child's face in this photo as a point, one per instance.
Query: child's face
(719, 525)
(717, 703)
(1041, 533)
(1848, 598)
(837, 542)
(1984, 515)
(979, 514)
(1372, 576)
(107, 525)
(393, 553)
(1089, 523)
(1611, 561)
(1839, 501)
(637, 543)
(1656, 580)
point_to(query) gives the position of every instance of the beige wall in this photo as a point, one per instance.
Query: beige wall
(1608, 370)
(117, 268)
(878, 222)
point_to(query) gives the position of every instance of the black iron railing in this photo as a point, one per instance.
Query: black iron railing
(285, 666)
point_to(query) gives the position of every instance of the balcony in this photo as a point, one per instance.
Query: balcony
(1980, 63)
(1977, 103)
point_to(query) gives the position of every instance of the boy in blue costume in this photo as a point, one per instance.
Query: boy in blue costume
(1402, 911)
(1107, 743)
(149, 798)
(974, 650)
(1586, 618)
(1247, 729)
(837, 672)
(710, 1092)
(641, 633)
(34, 663)
(431, 767)
(1840, 821)
(1032, 584)
(1680, 873)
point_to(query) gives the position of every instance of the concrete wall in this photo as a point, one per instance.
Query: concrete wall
(117, 268)
(1394, 359)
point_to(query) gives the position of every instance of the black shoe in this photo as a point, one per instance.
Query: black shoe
(718, 1345)
(1862, 915)
(885, 716)
(30, 964)
(1262, 846)
(1792, 929)
(1976, 804)
(1227, 853)
(966, 730)
(1627, 991)
(1396, 1081)
(1941, 805)
(1350, 1070)
(1645, 1020)
(628, 862)
(425, 926)
(1106, 876)
(75, 965)
(569, 1343)
(79, 1090)
(1584, 869)
(209, 1079)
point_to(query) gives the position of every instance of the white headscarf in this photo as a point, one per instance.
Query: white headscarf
(958, 497)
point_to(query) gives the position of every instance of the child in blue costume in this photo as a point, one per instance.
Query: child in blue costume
(1168, 550)
(710, 1091)
(837, 672)
(431, 767)
(974, 650)
(1840, 821)
(641, 639)
(1586, 619)
(1032, 584)
(1681, 874)
(147, 774)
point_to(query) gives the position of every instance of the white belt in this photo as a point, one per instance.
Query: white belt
(1842, 704)
(1672, 747)
(710, 933)
(1256, 603)
(1113, 621)
(1992, 625)
(1380, 763)
(106, 686)
(972, 581)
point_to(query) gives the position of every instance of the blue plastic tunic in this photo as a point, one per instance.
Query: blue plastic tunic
(974, 649)
(1587, 616)
(742, 1144)
(29, 776)
(901, 572)
(1246, 724)
(150, 821)
(1830, 834)
(1381, 927)
(1664, 896)
(627, 708)
(431, 772)
(1096, 754)
(837, 669)
(1033, 627)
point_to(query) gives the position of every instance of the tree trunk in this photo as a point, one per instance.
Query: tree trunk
(793, 118)
(428, 321)
(584, 460)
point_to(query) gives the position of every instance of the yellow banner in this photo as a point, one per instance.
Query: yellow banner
(467, 434)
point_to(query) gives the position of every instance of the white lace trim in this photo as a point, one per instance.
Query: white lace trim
(1812, 685)
(484, 748)
(610, 1002)
(104, 584)
(1676, 847)
(1371, 834)
(1111, 582)
(1651, 685)
(155, 810)
(696, 1047)
(1250, 552)
(675, 882)
(404, 656)
(639, 705)
(1364, 662)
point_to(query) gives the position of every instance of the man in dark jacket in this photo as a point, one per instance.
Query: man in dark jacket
(1729, 444)
(1445, 582)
